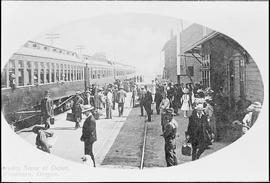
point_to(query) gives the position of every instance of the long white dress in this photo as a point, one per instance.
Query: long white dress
(185, 103)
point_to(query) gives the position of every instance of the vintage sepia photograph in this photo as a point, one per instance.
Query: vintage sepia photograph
(130, 91)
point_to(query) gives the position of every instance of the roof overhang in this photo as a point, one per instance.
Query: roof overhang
(196, 47)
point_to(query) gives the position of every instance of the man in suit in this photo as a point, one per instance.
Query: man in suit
(47, 111)
(158, 99)
(147, 103)
(199, 133)
(169, 134)
(89, 133)
(141, 98)
(114, 98)
(77, 109)
(121, 95)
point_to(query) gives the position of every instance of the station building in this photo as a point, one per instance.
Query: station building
(226, 65)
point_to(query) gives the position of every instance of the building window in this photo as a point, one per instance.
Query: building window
(242, 77)
(191, 70)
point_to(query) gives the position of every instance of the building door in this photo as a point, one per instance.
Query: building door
(242, 78)
(231, 76)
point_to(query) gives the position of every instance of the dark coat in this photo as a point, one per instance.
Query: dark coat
(46, 107)
(89, 133)
(76, 108)
(158, 97)
(42, 142)
(198, 129)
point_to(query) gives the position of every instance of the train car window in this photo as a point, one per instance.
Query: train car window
(35, 73)
(61, 72)
(47, 72)
(28, 76)
(81, 73)
(52, 72)
(20, 73)
(4, 78)
(57, 73)
(65, 72)
(77, 72)
(71, 73)
(42, 68)
(68, 72)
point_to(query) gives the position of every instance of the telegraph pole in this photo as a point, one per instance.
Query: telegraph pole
(52, 37)
(80, 48)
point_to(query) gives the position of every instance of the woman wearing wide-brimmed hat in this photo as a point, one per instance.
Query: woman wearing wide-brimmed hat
(185, 100)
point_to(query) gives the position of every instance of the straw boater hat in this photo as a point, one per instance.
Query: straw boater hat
(199, 107)
(87, 108)
(185, 90)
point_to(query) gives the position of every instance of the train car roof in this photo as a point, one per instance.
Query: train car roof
(47, 54)
(96, 61)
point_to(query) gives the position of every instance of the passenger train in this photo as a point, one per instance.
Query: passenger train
(38, 67)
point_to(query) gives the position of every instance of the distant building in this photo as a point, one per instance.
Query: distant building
(189, 65)
(170, 59)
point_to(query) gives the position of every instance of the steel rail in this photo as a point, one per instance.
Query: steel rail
(144, 143)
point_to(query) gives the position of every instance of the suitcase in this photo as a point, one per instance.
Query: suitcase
(70, 117)
(186, 149)
(51, 121)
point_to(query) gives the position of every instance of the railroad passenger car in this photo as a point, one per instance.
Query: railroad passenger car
(38, 67)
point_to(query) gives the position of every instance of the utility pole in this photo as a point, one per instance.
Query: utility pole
(80, 48)
(52, 37)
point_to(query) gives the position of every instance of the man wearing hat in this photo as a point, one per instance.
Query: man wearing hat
(169, 134)
(147, 103)
(199, 133)
(121, 95)
(141, 98)
(89, 134)
(47, 112)
(77, 109)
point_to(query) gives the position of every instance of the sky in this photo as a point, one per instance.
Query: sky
(134, 39)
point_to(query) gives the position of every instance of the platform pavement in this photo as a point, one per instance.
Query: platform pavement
(68, 144)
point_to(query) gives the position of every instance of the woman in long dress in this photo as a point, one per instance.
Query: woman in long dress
(185, 100)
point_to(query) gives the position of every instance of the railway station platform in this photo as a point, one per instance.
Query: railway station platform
(119, 140)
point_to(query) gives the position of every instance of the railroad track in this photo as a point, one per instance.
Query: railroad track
(144, 144)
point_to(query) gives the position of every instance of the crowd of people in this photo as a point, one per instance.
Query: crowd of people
(207, 112)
